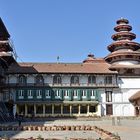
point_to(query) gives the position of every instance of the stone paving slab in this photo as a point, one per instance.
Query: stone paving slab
(52, 134)
(127, 129)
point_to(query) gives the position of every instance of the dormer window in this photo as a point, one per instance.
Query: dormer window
(39, 80)
(74, 80)
(22, 79)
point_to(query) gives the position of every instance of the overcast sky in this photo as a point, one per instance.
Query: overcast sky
(71, 29)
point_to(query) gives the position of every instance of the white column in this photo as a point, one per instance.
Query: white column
(70, 109)
(61, 109)
(52, 109)
(79, 109)
(88, 109)
(14, 110)
(98, 110)
(25, 109)
(34, 109)
(43, 110)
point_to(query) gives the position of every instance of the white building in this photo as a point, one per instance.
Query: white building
(94, 87)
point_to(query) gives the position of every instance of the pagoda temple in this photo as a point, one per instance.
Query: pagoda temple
(124, 51)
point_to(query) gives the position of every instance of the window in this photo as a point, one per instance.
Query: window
(22, 79)
(47, 93)
(74, 80)
(108, 80)
(91, 79)
(108, 96)
(56, 79)
(75, 93)
(66, 94)
(57, 94)
(84, 92)
(39, 94)
(30, 94)
(21, 94)
(92, 94)
(39, 80)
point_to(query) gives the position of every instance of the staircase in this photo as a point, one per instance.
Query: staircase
(5, 116)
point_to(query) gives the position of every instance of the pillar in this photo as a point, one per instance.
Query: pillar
(35, 110)
(88, 109)
(26, 113)
(79, 109)
(61, 109)
(98, 110)
(52, 109)
(14, 109)
(43, 110)
(70, 109)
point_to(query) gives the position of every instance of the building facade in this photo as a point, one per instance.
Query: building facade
(95, 87)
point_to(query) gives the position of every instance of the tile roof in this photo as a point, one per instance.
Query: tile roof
(99, 66)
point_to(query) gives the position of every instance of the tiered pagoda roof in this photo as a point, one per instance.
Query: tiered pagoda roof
(123, 48)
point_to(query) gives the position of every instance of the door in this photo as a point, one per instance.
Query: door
(109, 110)
(136, 111)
